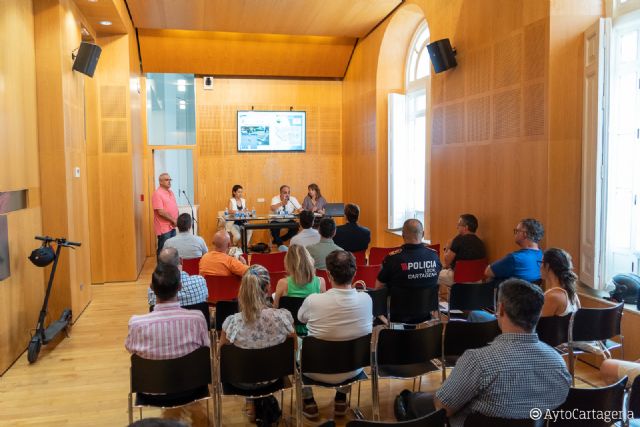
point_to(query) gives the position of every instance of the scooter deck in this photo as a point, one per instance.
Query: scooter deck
(54, 329)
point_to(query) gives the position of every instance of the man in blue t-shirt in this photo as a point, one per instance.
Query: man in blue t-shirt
(524, 263)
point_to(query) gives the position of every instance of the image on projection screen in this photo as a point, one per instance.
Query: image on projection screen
(4, 248)
(271, 131)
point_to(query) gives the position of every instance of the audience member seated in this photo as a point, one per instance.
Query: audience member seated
(340, 314)
(561, 297)
(513, 374)
(414, 265)
(523, 263)
(169, 331)
(308, 235)
(284, 204)
(325, 246)
(188, 244)
(301, 280)
(217, 262)
(464, 246)
(236, 205)
(193, 289)
(314, 202)
(256, 325)
(351, 236)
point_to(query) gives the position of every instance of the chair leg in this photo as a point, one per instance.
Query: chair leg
(130, 409)
(358, 394)
(420, 383)
(374, 396)
(413, 388)
(140, 412)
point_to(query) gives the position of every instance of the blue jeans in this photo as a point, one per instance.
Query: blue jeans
(163, 238)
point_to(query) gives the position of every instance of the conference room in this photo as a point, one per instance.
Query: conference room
(423, 110)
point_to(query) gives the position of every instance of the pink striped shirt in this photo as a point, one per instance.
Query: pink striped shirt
(168, 332)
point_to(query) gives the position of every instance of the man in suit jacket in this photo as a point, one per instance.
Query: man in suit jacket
(351, 236)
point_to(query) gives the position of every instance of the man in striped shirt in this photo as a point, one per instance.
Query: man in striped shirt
(169, 332)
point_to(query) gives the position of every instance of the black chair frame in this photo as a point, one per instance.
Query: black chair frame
(609, 398)
(156, 384)
(238, 365)
(403, 354)
(412, 305)
(471, 296)
(460, 336)
(292, 305)
(345, 356)
(595, 324)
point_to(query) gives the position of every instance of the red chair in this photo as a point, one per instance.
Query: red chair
(272, 262)
(435, 247)
(376, 255)
(191, 266)
(274, 277)
(469, 271)
(323, 274)
(222, 288)
(361, 257)
(246, 257)
(368, 274)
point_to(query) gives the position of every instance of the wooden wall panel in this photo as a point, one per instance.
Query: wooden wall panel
(62, 149)
(568, 21)
(359, 154)
(117, 152)
(21, 294)
(220, 166)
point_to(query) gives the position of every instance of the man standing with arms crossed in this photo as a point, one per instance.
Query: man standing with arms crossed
(165, 211)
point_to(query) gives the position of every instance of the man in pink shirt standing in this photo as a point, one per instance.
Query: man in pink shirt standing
(165, 211)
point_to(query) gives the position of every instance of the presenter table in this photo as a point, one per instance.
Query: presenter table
(268, 222)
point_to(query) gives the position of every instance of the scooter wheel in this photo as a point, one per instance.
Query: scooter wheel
(34, 349)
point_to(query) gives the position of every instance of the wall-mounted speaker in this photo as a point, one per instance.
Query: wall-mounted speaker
(87, 58)
(443, 56)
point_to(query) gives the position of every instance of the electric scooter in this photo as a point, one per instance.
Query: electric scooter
(45, 335)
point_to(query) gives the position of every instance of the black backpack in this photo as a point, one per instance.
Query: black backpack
(410, 405)
(268, 411)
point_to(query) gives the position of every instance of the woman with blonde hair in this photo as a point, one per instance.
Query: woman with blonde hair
(301, 279)
(257, 325)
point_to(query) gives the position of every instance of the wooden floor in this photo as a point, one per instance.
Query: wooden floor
(84, 380)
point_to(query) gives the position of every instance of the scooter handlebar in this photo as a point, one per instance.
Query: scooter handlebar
(61, 241)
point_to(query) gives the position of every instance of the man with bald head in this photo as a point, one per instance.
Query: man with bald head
(414, 265)
(165, 211)
(218, 262)
(194, 288)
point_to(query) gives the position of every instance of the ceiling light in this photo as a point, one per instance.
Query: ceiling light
(92, 1)
(105, 23)
(182, 85)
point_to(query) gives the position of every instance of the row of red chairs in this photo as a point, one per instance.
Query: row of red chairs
(275, 261)
(223, 288)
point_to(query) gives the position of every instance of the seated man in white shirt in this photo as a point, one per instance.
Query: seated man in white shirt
(188, 244)
(284, 204)
(340, 314)
(308, 235)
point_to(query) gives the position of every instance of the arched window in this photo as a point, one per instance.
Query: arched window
(407, 135)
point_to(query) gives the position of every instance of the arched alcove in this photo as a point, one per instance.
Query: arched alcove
(390, 78)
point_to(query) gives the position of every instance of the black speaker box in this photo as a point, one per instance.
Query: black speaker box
(87, 58)
(443, 57)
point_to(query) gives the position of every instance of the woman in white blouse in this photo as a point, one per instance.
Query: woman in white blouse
(257, 325)
(236, 205)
